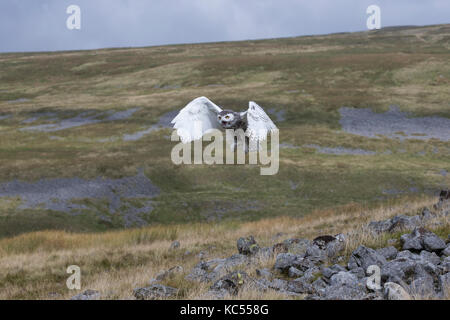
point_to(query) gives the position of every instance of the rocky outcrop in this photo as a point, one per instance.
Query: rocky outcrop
(229, 284)
(364, 257)
(211, 270)
(388, 253)
(418, 273)
(422, 239)
(418, 265)
(343, 285)
(247, 246)
(155, 291)
(394, 291)
(397, 223)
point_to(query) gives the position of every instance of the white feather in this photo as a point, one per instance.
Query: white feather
(259, 123)
(197, 118)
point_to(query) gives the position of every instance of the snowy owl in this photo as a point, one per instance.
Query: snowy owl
(254, 121)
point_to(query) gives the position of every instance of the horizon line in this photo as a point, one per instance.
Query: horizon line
(221, 41)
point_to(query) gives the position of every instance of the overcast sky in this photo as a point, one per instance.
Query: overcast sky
(40, 25)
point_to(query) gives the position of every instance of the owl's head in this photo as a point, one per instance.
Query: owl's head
(227, 119)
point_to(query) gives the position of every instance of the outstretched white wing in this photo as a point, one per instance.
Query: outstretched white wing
(196, 118)
(259, 123)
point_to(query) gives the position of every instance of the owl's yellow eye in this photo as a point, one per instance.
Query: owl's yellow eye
(227, 117)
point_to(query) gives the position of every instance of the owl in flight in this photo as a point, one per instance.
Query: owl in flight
(254, 121)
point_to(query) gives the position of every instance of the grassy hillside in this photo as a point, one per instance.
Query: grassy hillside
(306, 80)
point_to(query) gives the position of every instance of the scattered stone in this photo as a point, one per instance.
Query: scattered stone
(358, 272)
(330, 271)
(409, 267)
(397, 223)
(279, 248)
(264, 273)
(343, 286)
(322, 241)
(325, 248)
(229, 284)
(444, 283)
(402, 222)
(422, 239)
(315, 253)
(446, 251)
(300, 285)
(394, 291)
(206, 271)
(339, 150)
(388, 253)
(202, 254)
(380, 226)
(175, 245)
(445, 265)
(343, 278)
(423, 271)
(334, 247)
(286, 260)
(294, 272)
(318, 284)
(87, 295)
(296, 246)
(163, 122)
(423, 287)
(6, 116)
(279, 284)
(64, 194)
(19, 100)
(365, 122)
(427, 214)
(154, 291)
(364, 257)
(84, 118)
(247, 246)
(431, 257)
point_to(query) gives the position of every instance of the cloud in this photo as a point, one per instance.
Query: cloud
(29, 25)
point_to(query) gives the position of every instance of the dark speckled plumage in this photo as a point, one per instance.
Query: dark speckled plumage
(237, 123)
